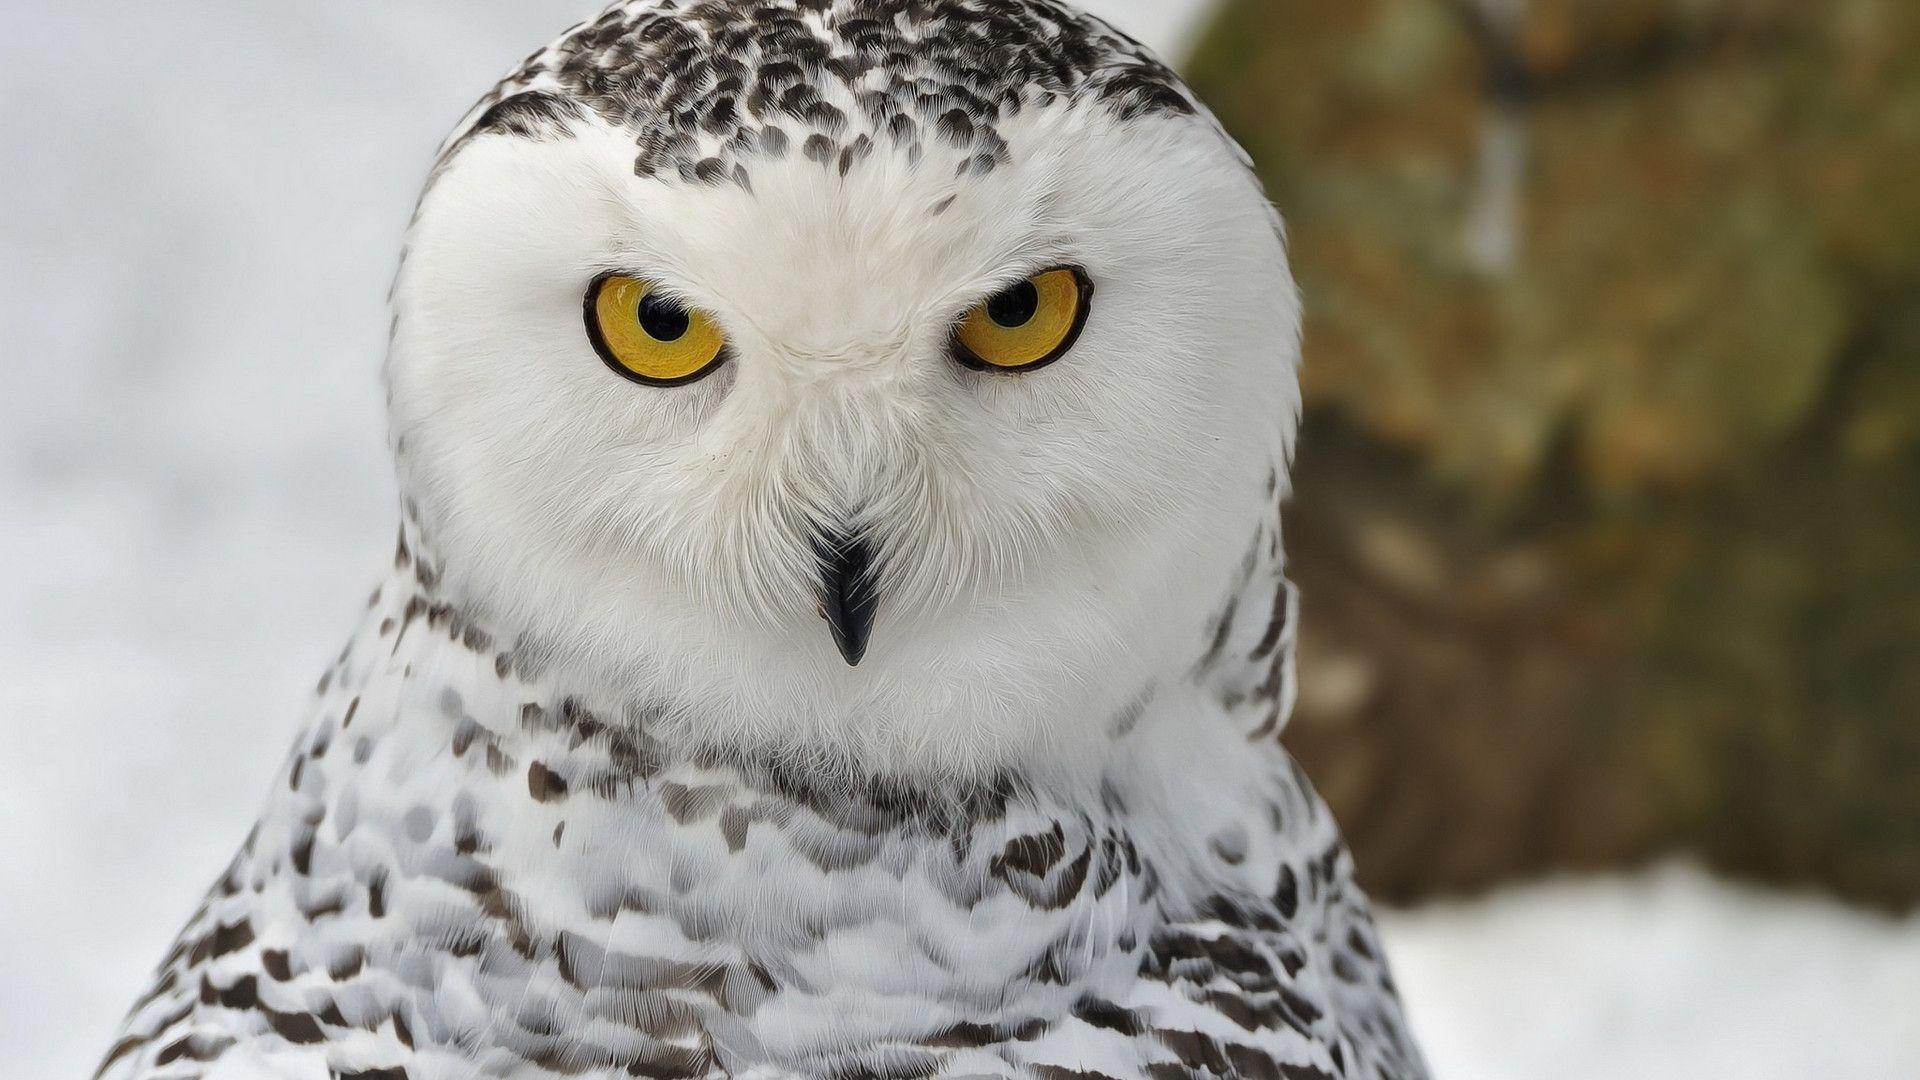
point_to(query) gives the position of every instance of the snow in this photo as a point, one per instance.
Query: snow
(200, 212)
(1666, 973)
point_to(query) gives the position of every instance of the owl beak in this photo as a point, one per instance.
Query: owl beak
(848, 599)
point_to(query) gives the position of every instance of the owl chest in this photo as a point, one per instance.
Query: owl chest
(524, 898)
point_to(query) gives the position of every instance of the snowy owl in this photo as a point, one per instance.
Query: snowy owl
(839, 624)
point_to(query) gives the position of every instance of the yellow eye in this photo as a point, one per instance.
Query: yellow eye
(648, 337)
(1029, 325)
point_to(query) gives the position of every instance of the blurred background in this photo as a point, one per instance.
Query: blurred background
(1608, 511)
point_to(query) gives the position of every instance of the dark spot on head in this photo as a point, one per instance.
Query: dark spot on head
(531, 115)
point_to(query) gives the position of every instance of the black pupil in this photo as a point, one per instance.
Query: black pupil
(662, 319)
(1015, 307)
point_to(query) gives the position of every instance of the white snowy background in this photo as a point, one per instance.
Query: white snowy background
(200, 205)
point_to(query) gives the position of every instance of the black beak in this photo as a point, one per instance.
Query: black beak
(847, 596)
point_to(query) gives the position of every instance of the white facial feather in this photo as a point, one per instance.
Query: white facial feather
(1049, 540)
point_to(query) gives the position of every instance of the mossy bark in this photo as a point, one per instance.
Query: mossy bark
(1608, 512)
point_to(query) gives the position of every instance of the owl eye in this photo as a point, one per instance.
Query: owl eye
(649, 337)
(1028, 325)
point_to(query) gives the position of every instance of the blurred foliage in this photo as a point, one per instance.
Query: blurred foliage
(1609, 506)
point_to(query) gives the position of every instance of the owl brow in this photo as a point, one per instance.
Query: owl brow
(1020, 260)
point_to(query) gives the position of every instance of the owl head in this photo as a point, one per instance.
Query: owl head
(889, 382)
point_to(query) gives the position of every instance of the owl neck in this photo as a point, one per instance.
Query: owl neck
(430, 714)
(1235, 692)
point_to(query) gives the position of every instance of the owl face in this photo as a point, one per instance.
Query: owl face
(897, 452)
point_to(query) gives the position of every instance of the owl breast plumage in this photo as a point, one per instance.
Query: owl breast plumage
(839, 625)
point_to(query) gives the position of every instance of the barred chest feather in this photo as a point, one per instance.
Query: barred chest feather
(464, 871)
